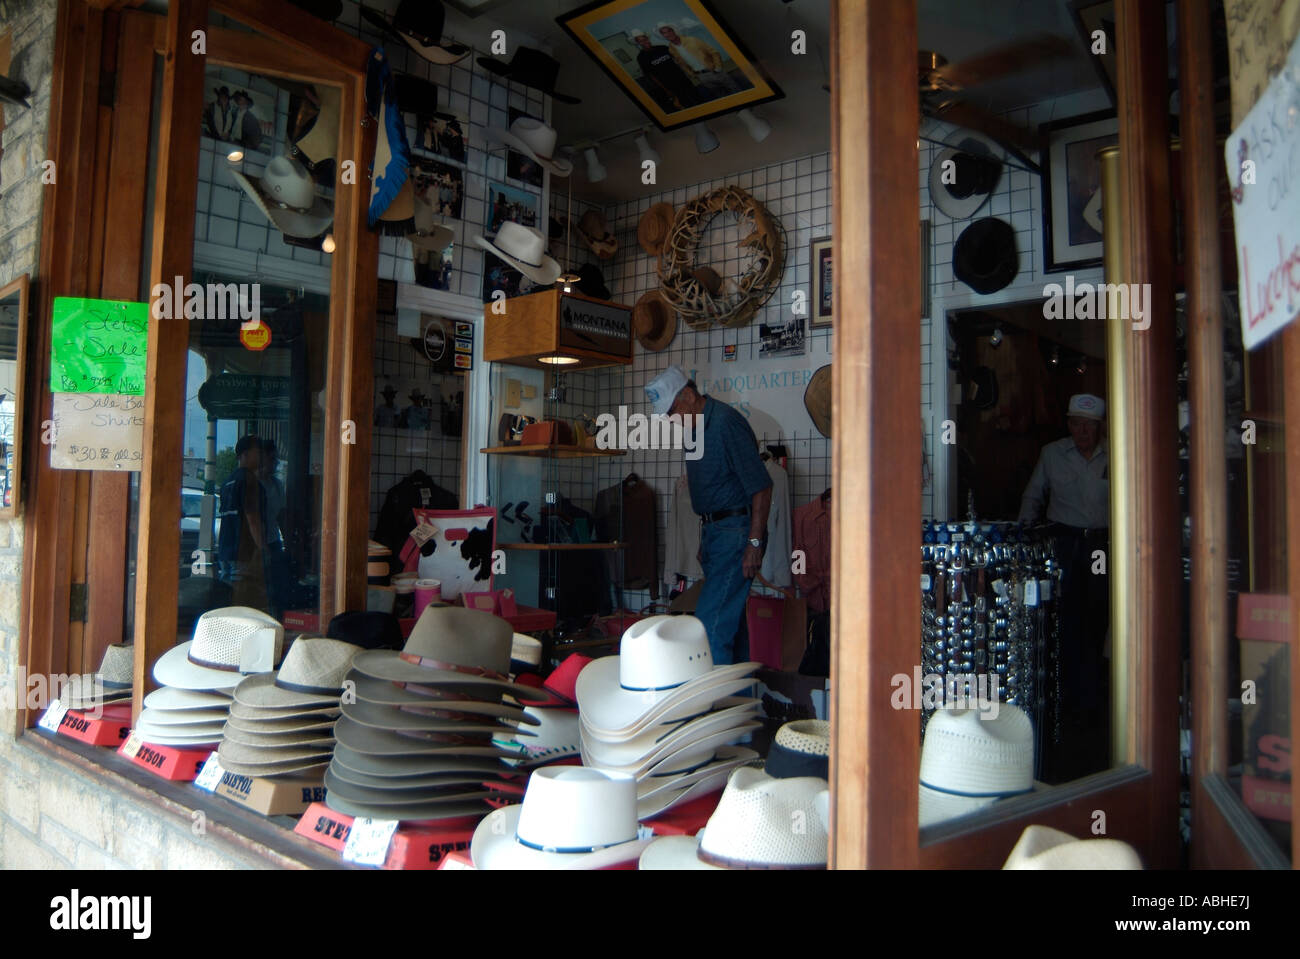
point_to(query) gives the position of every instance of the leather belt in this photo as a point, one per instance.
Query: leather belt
(706, 518)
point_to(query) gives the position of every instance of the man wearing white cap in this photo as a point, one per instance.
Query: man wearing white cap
(1073, 477)
(701, 62)
(732, 493)
(662, 72)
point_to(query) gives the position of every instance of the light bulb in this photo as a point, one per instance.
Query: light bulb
(327, 244)
(235, 156)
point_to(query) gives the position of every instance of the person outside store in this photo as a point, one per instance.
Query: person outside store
(241, 544)
(731, 492)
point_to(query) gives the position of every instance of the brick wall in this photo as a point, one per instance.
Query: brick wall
(53, 816)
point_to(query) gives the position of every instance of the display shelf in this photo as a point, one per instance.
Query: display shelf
(552, 547)
(546, 452)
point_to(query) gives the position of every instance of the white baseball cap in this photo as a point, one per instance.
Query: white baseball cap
(663, 389)
(636, 32)
(1087, 406)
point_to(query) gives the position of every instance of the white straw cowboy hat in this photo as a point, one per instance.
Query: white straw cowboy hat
(182, 717)
(525, 249)
(800, 748)
(760, 823)
(1042, 847)
(571, 818)
(228, 644)
(286, 195)
(310, 676)
(661, 741)
(663, 661)
(724, 761)
(968, 762)
(555, 737)
(534, 138)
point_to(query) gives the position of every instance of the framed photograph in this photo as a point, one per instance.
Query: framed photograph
(443, 135)
(823, 288)
(433, 267)
(509, 203)
(1072, 190)
(785, 340)
(520, 166)
(500, 275)
(235, 114)
(439, 186)
(675, 58)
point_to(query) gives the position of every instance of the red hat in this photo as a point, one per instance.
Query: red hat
(560, 684)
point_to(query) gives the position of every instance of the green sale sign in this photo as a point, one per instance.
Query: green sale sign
(98, 346)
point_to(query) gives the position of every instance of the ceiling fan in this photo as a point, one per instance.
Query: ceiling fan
(942, 86)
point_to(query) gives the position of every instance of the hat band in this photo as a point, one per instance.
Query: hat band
(683, 772)
(517, 257)
(207, 665)
(958, 792)
(303, 688)
(569, 850)
(417, 660)
(715, 860)
(427, 692)
(650, 689)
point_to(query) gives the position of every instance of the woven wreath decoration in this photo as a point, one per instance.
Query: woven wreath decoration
(694, 290)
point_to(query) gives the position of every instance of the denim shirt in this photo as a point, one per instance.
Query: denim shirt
(730, 471)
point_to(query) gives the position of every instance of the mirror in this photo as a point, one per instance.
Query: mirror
(13, 338)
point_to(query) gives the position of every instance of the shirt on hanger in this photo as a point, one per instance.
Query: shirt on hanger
(812, 534)
(640, 534)
(776, 561)
(681, 553)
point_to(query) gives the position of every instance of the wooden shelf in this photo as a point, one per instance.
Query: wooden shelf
(546, 452)
(560, 547)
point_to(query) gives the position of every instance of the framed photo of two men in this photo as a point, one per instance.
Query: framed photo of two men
(675, 58)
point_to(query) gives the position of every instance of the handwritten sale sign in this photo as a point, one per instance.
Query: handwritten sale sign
(98, 432)
(98, 346)
(1263, 158)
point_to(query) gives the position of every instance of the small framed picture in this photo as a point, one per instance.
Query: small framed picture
(823, 275)
(442, 134)
(509, 203)
(1072, 205)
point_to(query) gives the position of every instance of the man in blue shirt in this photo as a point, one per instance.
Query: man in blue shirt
(732, 492)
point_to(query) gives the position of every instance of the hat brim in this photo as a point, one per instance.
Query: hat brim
(439, 53)
(502, 69)
(169, 697)
(307, 770)
(494, 847)
(686, 756)
(619, 714)
(666, 738)
(174, 668)
(261, 692)
(666, 800)
(412, 813)
(387, 665)
(818, 412)
(1007, 267)
(674, 852)
(264, 760)
(380, 692)
(546, 274)
(955, 208)
(175, 735)
(321, 142)
(404, 718)
(936, 807)
(415, 766)
(253, 714)
(306, 739)
(654, 303)
(295, 223)
(724, 760)
(662, 213)
(182, 717)
(445, 793)
(386, 742)
(411, 785)
(561, 168)
(434, 241)
(273, 727)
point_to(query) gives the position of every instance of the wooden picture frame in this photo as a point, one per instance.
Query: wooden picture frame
(15, 305)
(1072, 205)
(708, 74)
(821, 263)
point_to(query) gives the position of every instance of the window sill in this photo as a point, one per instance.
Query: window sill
(242, 832)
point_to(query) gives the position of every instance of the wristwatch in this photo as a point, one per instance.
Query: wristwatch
(756, 543)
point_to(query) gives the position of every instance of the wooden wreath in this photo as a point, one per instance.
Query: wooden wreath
(731, 303)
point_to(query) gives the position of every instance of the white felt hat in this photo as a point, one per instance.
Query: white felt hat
(660, 741)
(1041, 847)
(525, 249)
(969, 761)
(571, 818)
(228, 643)
(534, 138)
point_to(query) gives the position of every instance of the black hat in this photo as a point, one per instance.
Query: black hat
(15, 92)
(975, 174)
(369, 630)
(984, 388)
(984, 256)
(417, 95)
(418, 23)
(532, 68)
(592, 282)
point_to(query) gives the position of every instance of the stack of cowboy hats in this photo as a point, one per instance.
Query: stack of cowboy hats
(555, 738)
(88, 692)
(661, 712)
(282, 723)
(571, 818)
(417, 741)
(199, 676)
(753, 827)
(971, 758)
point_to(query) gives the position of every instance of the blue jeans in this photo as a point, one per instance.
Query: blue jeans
(721, 606)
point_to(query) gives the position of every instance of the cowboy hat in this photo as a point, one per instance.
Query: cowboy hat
(557, 737)
(286, 195)
(169, 735)
(661, 741)
(960, 189)
(307, 769)
(751, 827)
(817, 400)
(442, 793)
(683, 757)
(591, 282)
(294, 724)
(713, 780)
(419, 24)
(381, 692)
(800, 748)
(267, 744)
(656, 223)
(228, 644)
(559, 685)
(530, 68)
(169, 698)
(724, 760)
(321, 142)
(654, 321)
(1042, 847)
(272, 761)
(183, 717)
(400, 767)
(252, 714)
(525, 249)
(533, 138)
(411, 719)
(594, 232)
(310, 676)
(984, 256)
(571, 818)
(413, 811)
(663, 663)
(408, 784)
(969, 761)
(697, 699)
(418, 95)
(110, 685)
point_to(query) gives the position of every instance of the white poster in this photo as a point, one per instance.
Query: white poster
(1263, 158)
